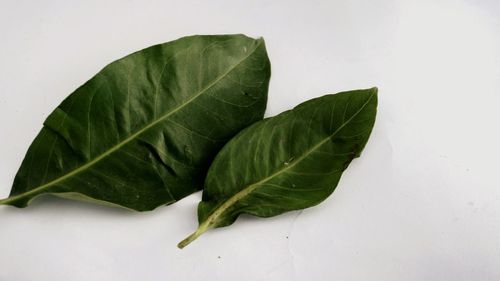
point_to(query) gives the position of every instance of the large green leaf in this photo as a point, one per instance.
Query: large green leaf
(288, 162)
(143, 131)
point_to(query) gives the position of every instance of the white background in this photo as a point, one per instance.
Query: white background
(422, 203)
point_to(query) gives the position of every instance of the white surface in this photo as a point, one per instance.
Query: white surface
(422, 203)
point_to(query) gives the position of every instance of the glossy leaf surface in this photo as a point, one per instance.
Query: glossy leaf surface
(288, 162)
(143, 131)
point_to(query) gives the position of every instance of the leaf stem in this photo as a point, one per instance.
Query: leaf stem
(7, 200)
(201, 229)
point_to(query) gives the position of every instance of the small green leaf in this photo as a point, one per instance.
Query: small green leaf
(288, 162)
(143, 131)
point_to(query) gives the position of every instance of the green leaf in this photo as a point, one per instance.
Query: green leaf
(143, 131)
(288, 162)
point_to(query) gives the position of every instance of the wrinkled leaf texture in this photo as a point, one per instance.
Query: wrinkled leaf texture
(288, 162)
(144, 130)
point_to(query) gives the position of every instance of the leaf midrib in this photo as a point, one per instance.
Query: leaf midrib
(133, 136)
(247, 190)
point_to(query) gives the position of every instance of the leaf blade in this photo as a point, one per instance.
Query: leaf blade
(288, 173)
(175, 78)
